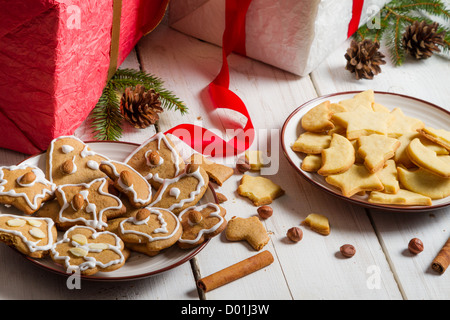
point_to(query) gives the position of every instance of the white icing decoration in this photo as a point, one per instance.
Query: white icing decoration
(174, 154)
(136, 197)
(32, 245)
(90, 262)
(67, 149)
(215, 213)
(175, 192)
(97, 221)
(40, 178)
(192, 194)
(86, 152)
(91, 164)
(74, 166)
(162, 229)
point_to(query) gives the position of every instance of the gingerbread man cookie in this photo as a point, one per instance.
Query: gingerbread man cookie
(88, 251)
(200, 223)
(87, 204)
(156, 159)
(150, 231)
(29, 235)
(24, 187)
(71, 161)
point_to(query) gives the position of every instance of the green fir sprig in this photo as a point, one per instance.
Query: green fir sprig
(106, 117)
(396, 16)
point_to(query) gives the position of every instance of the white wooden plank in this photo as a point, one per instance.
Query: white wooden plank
(310, 269)
(428, 80)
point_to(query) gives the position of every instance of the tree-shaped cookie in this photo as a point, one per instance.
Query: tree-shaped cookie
(376, 149)
(24, 187)
(87, 204)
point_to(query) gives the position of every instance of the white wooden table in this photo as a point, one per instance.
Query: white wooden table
(311, 269)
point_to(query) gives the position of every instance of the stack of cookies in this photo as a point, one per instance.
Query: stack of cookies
(105, 209)
(363, 148)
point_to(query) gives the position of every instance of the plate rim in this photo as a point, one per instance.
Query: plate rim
(61, 272)
(358, 202)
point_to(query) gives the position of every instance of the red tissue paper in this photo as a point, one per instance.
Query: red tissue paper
(55, 56)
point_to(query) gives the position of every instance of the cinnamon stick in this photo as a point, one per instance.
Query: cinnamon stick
(442, 260)
(235, 271)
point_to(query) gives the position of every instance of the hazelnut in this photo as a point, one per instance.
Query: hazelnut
(126, 178)
(142, 214)
(195, 217)
(265, 212)
(28, 178)
(154, 158)
(242, 165)
(415, 246)
(295, 234)
(78, 202)
(348, 250)
(67, 167)
(220, 197)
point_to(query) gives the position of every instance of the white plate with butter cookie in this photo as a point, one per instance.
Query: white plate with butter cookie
(361, 180)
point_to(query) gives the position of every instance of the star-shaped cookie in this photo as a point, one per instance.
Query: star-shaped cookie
(363, 122)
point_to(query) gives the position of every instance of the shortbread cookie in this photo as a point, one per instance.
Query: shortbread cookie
(128, 181)
(31, 236)
(363, 122)
(423, 182)
(427, 159)
(312, 162)
(377, 107)
(71, 161)
(310, 142)
(183, 191)
(362, 100)
(256, 159)
(87, 204)
(157, 228)
(355, 180)
(317, 223)
(402, 197)
(24, 187)
(402, 124)
(318, 118)
(247, 229)
(259, 190)
(201, 223)
(157, 159)
(338, 157)
(439, 136)
(85, 250)
(217, 172)
(376, 149)
(388, 177)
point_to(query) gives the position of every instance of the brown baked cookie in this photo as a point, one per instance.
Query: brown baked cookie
(156, 159)
(71, 161)
(128, 181)
(88, 251)
(249, 229)
(31, 236)
(24, 187)
(217, 172)
(183, 191)
(201, 223)
(157, 228)
(87, 204)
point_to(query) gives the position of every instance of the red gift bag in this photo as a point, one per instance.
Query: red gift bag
(55, 59)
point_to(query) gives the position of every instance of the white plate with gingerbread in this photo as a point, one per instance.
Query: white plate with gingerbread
(375, 149)
(96, 162)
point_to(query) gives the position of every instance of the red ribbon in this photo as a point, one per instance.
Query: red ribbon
(207, 142)
(203, 140)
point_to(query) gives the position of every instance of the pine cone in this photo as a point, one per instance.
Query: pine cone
(140, 107)
(421, 40)
(364, 59)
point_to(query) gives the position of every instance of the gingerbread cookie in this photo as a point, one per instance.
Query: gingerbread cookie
(24, 187)
(201, 223)
(31, 236)
(217, 172)
(248, 229)
(88, 251)
(156, 159)
(183, 191)
(71, 161)
(150, 231)
(128, 181)
(87, 204)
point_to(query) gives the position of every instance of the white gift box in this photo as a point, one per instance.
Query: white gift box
(293, 35)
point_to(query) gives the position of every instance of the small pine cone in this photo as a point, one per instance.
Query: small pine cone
(140, 107)
(364, 59)
(421, 40)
